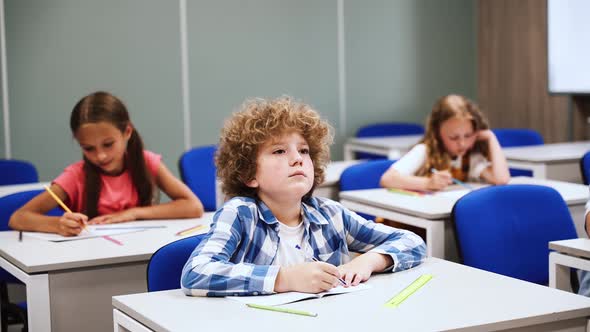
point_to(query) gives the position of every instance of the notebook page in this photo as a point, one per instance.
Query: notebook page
(288, 297)
(91, 232)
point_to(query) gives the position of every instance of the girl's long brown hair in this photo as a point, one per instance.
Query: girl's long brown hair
(104, 107)
(445, 108)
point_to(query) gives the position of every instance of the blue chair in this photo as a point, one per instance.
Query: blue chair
(387, 129)
(14, 171)
(14, 313)
(585, 167)
(506, 229)
(510, 137)
(365, 175)
(165, 267)
(197, 170)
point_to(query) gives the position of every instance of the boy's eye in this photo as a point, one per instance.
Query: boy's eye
(279, 151)
(108, 145)
(304, 151)
(88, 148)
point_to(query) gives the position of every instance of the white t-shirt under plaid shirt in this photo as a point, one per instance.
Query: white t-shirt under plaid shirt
(236, 256)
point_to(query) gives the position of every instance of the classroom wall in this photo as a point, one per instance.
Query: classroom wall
(399, 56)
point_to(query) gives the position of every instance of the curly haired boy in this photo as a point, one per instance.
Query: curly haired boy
(273, 235)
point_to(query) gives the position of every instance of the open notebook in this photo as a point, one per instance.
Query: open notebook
(90, 232)
(288, 297)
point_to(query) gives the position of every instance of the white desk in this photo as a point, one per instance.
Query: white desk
(568, 253)
(393, 147)
(69, 285)
(457, 298)
(14, 188)
(432, 212)
(560, 161)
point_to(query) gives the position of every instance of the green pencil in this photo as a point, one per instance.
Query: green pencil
(281, 309)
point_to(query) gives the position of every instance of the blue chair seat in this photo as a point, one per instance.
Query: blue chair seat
(198, 171)
(506, 229)
(165, 267)
(14, 171)
(366, 175)
(511, 137)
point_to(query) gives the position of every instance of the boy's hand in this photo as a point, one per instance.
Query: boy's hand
(71, 224)
(440, 180)
(113, 218)
(313, 277)
(355, 272)
(360, 269)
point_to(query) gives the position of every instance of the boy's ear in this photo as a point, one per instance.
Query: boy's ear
(252, 183)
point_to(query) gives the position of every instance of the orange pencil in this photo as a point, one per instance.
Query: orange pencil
(190, 230)
(60, 202)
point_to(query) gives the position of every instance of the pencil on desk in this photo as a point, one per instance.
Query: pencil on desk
(405, 192)
(190, 230)
(281, 309)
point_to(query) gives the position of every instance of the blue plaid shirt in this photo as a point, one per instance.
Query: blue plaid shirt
(236, 256)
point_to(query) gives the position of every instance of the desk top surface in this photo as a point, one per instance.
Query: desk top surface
(457, 297)
(38, 256)
(575, 247)
(440, 205)
(386, 142)
(11, 189)
(548, 153)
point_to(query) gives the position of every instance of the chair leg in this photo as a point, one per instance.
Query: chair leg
(3, 307)
(10, 312)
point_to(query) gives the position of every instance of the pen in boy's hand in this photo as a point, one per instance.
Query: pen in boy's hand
(20, 236)
(316, 260)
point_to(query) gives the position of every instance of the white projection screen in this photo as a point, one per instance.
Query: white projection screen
(568, 34)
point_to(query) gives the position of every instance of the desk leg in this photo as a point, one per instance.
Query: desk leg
(559, 269)
(38, 305)
(539, 171)
(124, 323)
(348, 152)
(435, 239)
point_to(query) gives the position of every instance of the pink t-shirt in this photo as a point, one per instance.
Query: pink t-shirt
(117, 192)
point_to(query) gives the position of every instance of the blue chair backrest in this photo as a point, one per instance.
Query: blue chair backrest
(506, 229)
(387, 129)
(9, 204)
(165, 267)
(366, 175)
(510, 137)
(14, 171)
(198, 171)
(585, 167)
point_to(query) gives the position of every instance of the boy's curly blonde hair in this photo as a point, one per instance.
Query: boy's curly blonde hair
(258, 121)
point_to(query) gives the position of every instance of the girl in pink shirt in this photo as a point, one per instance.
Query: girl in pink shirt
(116, 181)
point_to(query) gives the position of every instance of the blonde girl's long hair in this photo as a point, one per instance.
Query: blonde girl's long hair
(445, 108)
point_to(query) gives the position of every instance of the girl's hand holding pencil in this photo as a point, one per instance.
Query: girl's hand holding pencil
(70, 223)
(439, 179)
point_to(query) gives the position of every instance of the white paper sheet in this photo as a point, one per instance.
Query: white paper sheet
(288, 297)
